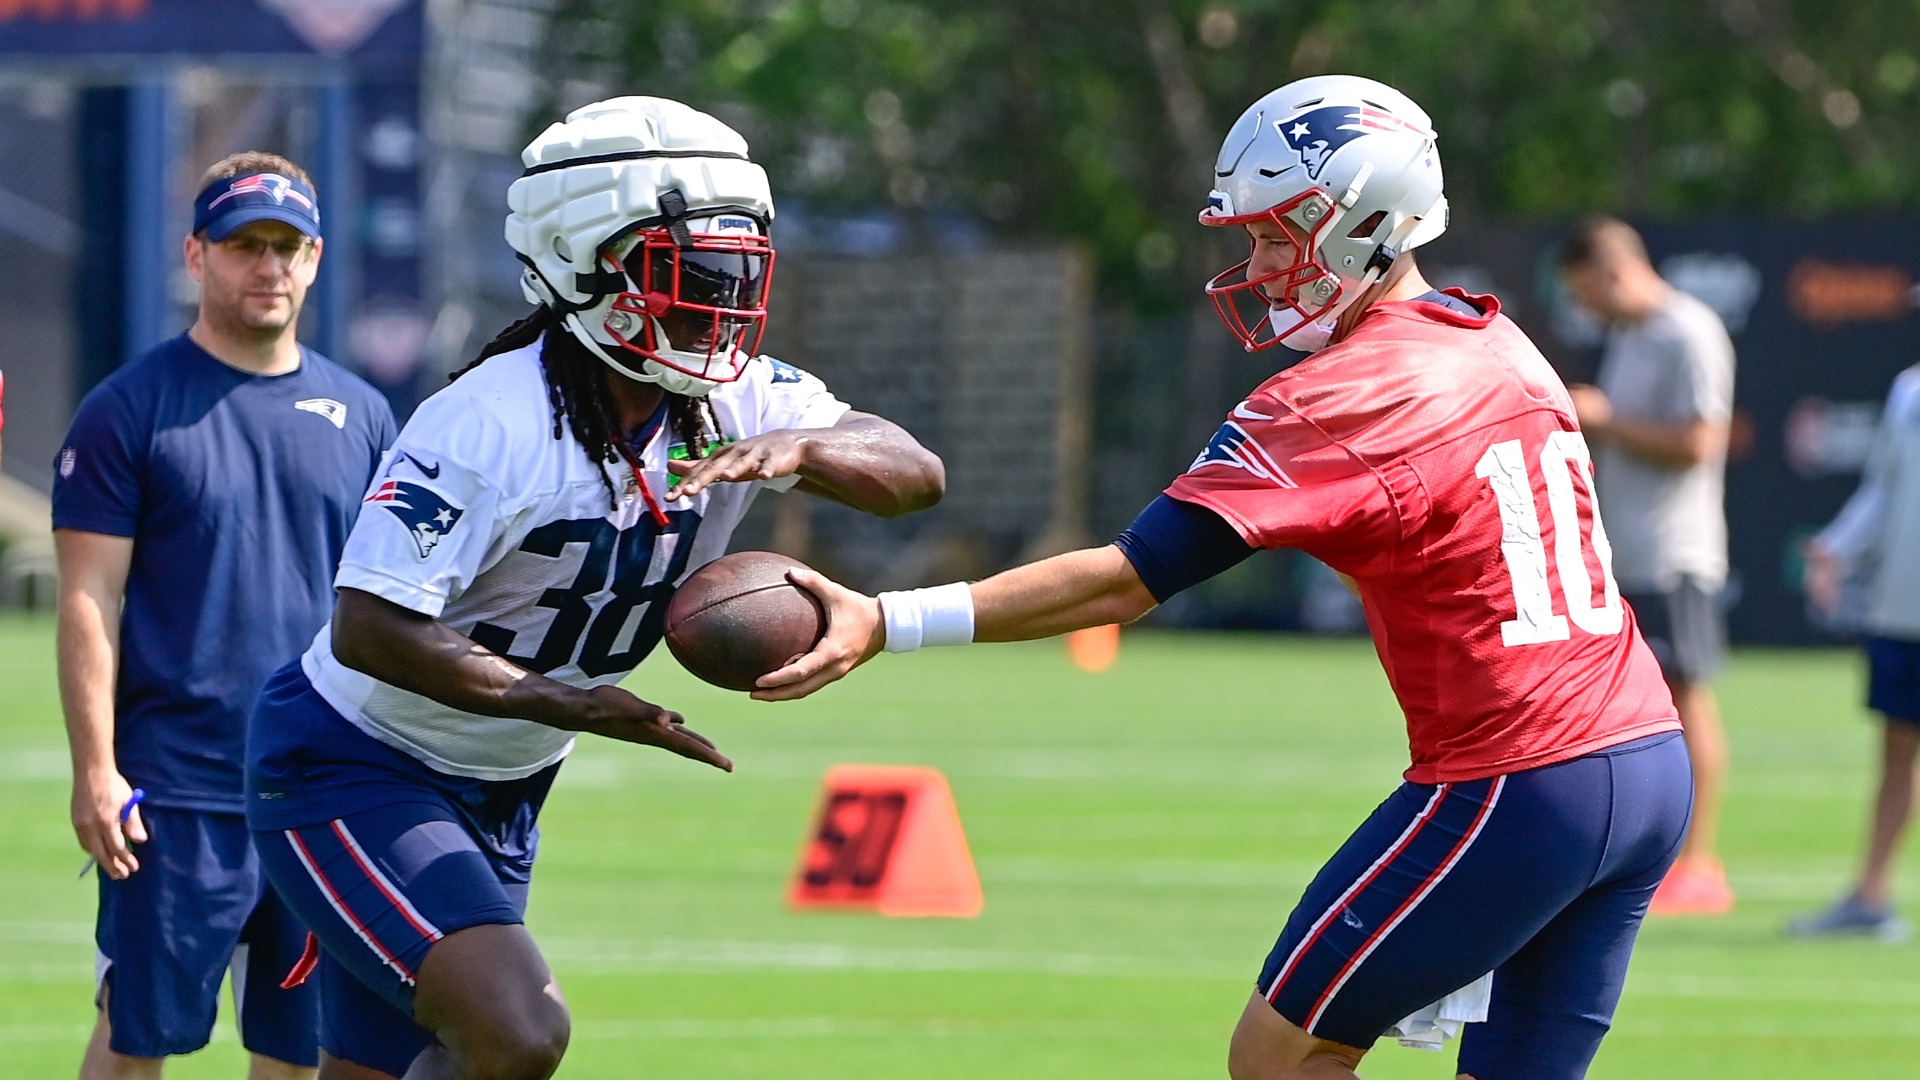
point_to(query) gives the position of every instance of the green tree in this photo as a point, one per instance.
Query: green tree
(1050, 119)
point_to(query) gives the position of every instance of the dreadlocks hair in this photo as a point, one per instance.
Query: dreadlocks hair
(577, 391)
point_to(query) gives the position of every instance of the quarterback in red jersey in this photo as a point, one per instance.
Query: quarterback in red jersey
(1442, 472)
(1429, 453)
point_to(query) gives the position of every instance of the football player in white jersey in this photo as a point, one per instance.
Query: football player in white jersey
(512, 562)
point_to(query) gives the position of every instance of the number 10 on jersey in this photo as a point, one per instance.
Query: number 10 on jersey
(1561, 460)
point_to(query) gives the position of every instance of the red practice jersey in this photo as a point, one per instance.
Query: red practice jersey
(1433, 457)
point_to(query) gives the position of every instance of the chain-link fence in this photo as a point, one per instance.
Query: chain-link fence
(986, 358)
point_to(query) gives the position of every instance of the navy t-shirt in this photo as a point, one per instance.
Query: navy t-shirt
(238, 491)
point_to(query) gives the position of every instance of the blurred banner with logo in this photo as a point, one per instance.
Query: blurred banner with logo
(111, 109)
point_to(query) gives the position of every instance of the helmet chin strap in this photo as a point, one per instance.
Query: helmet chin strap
(1312, 335)
(676, 382)
(1316, 334)
(733, 354)
(580, 334)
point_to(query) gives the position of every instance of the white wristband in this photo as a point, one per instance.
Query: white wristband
(942, 615)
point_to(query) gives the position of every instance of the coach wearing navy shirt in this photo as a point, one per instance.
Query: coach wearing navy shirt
(199, 506)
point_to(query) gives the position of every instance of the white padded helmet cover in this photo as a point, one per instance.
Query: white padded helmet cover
(625, 152)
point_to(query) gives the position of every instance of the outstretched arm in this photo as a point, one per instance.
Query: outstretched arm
(422, 655)
(1090, 587)
(865, 461)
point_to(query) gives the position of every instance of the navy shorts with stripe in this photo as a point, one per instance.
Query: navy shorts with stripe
(381, 857)
(198, 908)
(1893, 678)
(1541, 877)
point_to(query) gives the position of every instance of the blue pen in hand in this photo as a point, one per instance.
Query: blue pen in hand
(126, 812)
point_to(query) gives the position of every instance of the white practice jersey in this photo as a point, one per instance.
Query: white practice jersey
(480, 518)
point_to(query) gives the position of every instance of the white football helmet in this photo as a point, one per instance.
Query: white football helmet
(644, 226)
(1346, 168)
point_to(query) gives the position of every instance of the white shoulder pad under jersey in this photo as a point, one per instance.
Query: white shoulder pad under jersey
(482, 519)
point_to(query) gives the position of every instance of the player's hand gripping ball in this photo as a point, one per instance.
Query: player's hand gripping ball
(738, 617)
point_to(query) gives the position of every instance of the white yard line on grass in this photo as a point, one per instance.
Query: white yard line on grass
(74, 1034)
(597, 957)
(1263, 876)
(772, 1027)
(695, 956)
(78, 973)
(805, 1027)
(1797, 1030)
(36, 763)
(1905, 993)
(45, 933)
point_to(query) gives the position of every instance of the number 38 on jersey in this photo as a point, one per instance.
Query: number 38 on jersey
(1580, 549)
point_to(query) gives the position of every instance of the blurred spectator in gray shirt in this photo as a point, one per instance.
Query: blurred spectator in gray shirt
(1876, 541)
(1658, 422)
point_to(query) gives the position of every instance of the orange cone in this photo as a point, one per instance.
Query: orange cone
(887, 837)
(1095, 648)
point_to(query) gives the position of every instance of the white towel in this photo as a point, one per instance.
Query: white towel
(1431, 1027)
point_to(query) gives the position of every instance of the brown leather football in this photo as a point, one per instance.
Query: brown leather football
(738, 617)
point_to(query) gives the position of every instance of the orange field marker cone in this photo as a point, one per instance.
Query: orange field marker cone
(888, 838)
(1095, 648)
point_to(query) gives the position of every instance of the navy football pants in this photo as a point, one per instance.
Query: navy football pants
(1541, 877)
(391, 857)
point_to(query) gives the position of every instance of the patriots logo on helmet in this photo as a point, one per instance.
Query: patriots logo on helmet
(428, 516)
(1233, 447)
(1317, 134)
(273, 184)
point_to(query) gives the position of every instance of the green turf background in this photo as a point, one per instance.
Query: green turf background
(1141, 835)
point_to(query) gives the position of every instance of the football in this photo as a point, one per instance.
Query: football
(738, 617)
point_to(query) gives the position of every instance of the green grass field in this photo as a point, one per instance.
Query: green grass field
(1140, 834)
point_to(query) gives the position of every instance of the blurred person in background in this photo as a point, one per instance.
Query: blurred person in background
(1430, 453)
(199, 507)
(1659, 421)
(1875, 540)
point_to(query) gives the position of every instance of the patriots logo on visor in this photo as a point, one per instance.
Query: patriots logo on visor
(428, 516)
(1317, 134)
(273, 184)
(1233, 447)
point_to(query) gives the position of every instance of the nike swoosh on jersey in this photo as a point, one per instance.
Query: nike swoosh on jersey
(1241, 412)
(430, 473)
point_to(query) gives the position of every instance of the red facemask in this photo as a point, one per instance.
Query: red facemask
(701, 309)
(1263, 311)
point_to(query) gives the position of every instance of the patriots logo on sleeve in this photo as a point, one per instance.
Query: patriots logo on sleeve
(428, 516)
(784, 372)
(1317, 134)
(1233, 447)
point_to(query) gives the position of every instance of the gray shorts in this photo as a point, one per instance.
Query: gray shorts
(1686, 627)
